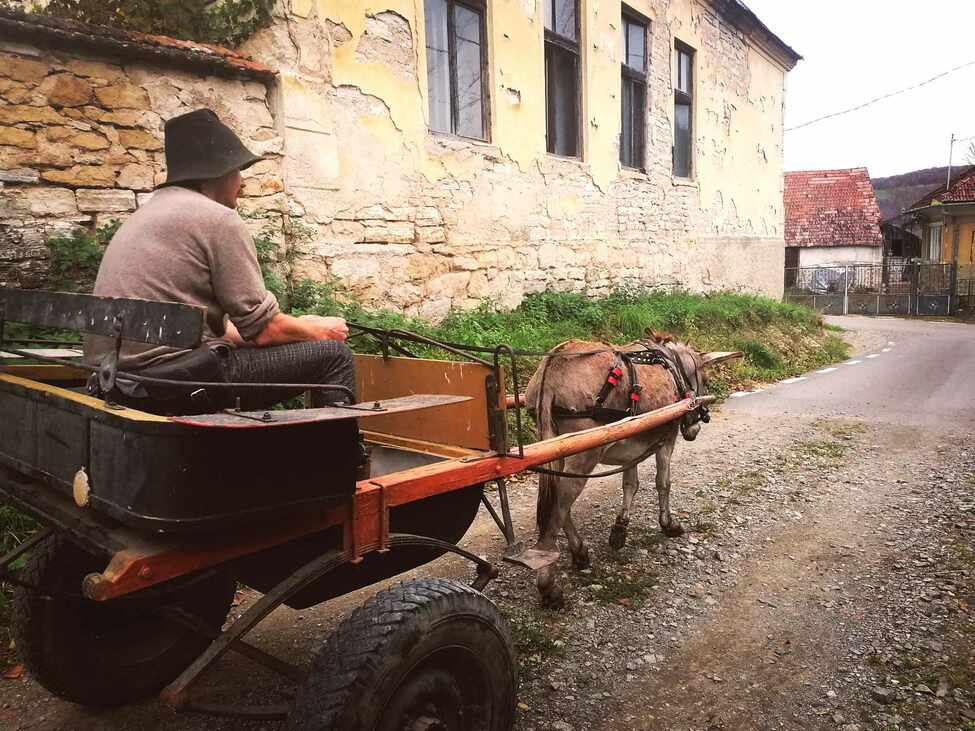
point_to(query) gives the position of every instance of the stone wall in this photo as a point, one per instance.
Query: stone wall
(81, 145)
(408, 218)
(425, 221)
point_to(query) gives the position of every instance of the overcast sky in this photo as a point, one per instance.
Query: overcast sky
(854, 50)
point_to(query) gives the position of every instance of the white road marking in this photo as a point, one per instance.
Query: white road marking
(827, 370)
(787, 381)
(885, 350)
(874, 355)
(891, 342)
(742, 394)
(853, 362)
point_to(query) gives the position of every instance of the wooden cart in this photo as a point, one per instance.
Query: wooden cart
(151, 521)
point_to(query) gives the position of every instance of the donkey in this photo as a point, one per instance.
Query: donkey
(633, 378)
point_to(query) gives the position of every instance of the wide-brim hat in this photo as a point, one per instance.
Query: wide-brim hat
(200, 147)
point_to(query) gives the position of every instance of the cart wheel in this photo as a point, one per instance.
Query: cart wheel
(433, 655)
(106, 653)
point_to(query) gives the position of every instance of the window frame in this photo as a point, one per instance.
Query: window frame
(932, 227)
(564, 45)
(480, 7)
(685, 98)
(629, 75)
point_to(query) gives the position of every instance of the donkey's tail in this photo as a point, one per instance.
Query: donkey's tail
(547, 484)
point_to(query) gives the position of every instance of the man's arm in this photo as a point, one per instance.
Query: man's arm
(283, 329)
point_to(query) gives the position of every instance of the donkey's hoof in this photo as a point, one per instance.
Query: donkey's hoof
(581, 562)
(554, 600)
(672, 529)
(617, 536)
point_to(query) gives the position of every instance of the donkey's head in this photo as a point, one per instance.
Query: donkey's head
(694, 367)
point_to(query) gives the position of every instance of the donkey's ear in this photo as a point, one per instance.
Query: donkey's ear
(659, 338)
(710, 359)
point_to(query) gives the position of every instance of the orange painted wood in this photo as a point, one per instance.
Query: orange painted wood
(461, 425)
(420, 482)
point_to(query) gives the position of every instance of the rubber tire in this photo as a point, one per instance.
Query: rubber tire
(382, 643)
(111, 653)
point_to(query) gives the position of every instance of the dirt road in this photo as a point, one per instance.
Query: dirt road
(826, 582)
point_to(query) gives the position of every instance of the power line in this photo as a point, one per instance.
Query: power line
(881, 98)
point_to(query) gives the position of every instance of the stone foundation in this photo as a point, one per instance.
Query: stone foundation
(81, 145)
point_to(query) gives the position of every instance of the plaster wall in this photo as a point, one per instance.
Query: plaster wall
(425, 222)
(814, 256)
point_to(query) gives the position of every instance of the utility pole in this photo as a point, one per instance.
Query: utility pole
(951, 146)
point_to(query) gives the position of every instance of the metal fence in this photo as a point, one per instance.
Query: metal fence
(896, 287)
(965, 297)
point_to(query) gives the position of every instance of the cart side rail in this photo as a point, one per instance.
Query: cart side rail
(365, 518)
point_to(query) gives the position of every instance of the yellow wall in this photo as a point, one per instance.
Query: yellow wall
(409, 217)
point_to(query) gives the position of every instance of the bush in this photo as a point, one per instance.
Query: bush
(74, 259)
(229, 22)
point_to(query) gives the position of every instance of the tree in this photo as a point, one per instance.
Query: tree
(229, 22)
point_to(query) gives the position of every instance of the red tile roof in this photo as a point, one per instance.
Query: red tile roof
(962, 190)
(43, 30)
(831, 208)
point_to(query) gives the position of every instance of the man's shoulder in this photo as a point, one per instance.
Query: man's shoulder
(189, 204)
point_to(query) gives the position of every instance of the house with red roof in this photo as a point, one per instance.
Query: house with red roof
(831, 217)
(946, 216)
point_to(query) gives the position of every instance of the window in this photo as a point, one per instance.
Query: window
(562, 77)
(934, 242)
(633, 132)
(456, 68)
(684, 112)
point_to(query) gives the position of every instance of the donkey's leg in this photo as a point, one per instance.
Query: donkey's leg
(631, 483)
(577, 547)
(566, 490)
(668, 524)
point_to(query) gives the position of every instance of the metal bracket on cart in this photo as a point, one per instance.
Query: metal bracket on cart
(178, 693)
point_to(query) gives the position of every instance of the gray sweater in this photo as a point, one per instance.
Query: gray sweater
(183, 247)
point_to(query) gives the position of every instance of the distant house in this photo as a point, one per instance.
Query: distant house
(831, 217)
(946, 216)
(895, 193)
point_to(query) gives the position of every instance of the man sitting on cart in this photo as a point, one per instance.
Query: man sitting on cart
(187, 244)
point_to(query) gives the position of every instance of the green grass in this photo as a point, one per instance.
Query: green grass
(535, 638)
(778, 339)
(14, 528)
(617, 583)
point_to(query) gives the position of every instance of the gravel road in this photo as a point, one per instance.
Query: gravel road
(827, 582)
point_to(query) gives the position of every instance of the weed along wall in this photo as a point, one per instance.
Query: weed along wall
(408, 209)
(490, 187)
(81, 132)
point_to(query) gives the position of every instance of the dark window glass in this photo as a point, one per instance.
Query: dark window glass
(455, 68)
(633, 130)
(684, 112)
(562, 77)
(560, 17)
(438, 65)
(470, 96)
(636, 45)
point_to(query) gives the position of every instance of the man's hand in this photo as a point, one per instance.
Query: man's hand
(331, 328)
(284, 329)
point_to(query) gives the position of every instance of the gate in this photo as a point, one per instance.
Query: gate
(896, 287)
(965, 299)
